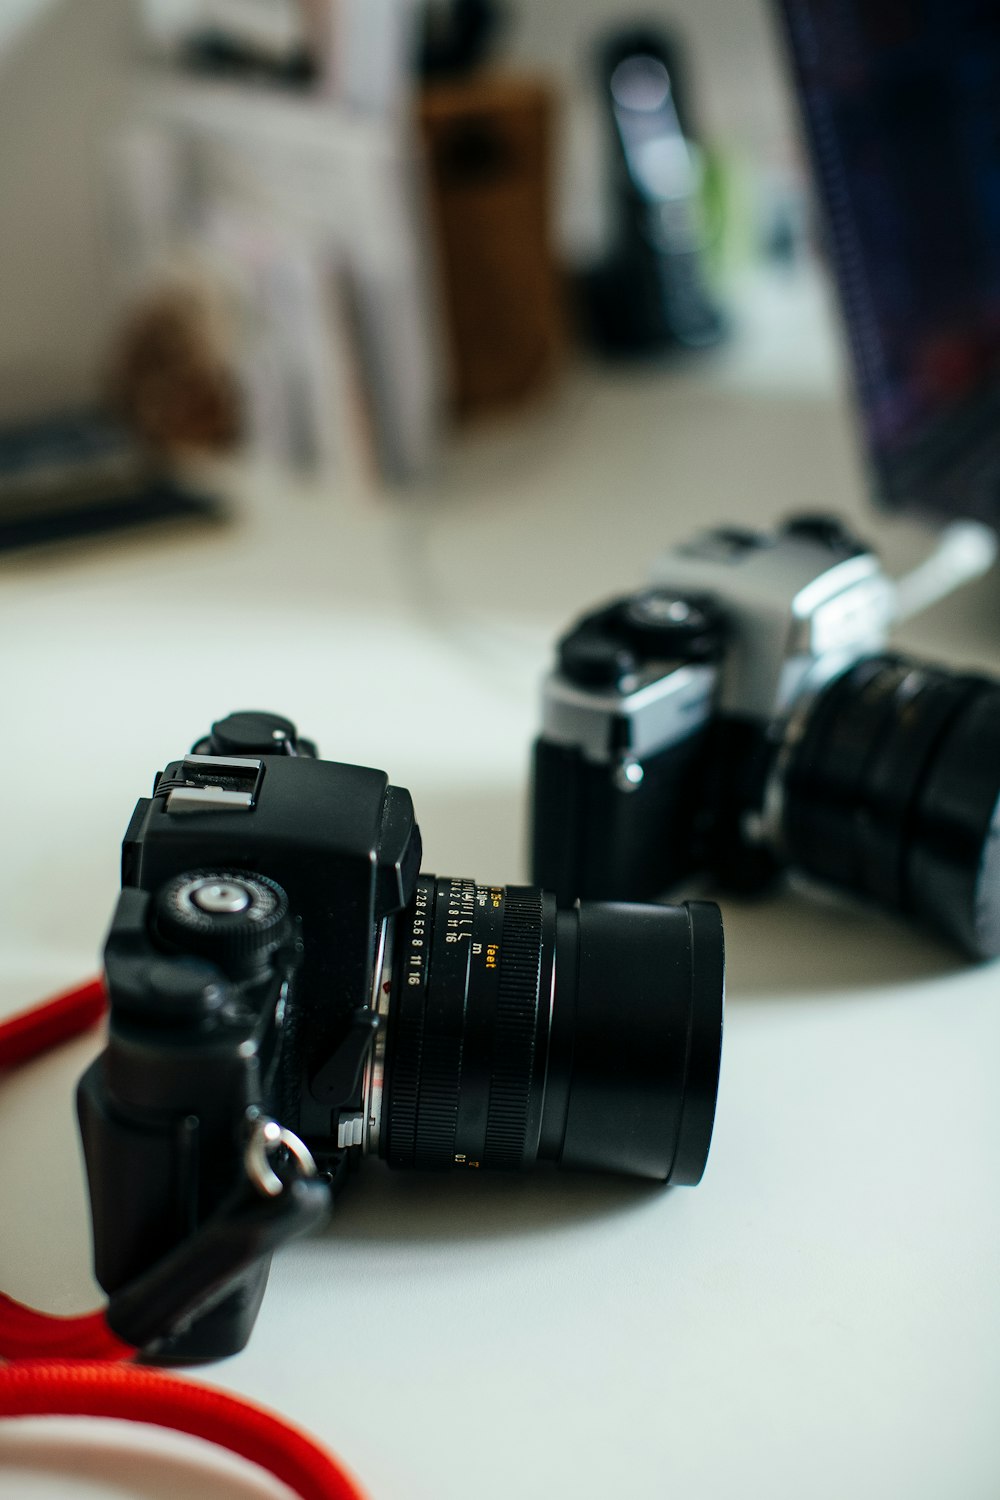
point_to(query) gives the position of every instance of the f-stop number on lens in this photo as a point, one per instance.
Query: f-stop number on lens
(590, 1037)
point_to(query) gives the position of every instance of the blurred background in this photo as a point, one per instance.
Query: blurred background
(351, 349)
(355, 347)
(392, 333)
(326, 233)
(396, 333)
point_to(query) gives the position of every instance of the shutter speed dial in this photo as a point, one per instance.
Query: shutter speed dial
(221, 897)
(231, 917)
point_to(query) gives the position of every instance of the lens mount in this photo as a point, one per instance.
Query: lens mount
(373, 1085)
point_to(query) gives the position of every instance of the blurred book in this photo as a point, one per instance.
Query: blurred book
(300, 212)
(80, 473)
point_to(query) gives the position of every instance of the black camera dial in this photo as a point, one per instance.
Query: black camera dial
(662, 623)
(590, 658)
(254, 732)
(608, 648)
(231, 917)
(828, 531)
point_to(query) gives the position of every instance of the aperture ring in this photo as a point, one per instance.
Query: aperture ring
(406, 1029)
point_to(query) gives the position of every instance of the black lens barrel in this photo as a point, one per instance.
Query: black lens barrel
(892, 792)
(634, 1068)
(591, 1038)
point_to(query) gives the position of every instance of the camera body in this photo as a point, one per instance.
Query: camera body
(742, 717)
(289, 992)
(660, 721)
(204, 1042)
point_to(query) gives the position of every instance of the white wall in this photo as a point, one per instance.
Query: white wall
(15, 15)
(62, 74)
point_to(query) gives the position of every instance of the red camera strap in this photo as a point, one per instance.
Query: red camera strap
(76, 1366)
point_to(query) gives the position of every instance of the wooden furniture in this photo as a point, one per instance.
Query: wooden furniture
(489, 145)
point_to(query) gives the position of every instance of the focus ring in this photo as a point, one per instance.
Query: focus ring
(463, 1023)
(515, 1028)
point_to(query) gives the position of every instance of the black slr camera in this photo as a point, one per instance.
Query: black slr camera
(288, 993)
(743, 716)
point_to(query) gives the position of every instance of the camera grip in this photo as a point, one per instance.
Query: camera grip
(164, 1116)
(142, 1177)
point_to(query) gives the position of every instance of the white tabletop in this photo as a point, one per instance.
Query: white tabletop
(820, 1317)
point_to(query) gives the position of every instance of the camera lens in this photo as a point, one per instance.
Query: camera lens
(590, 1038)
(892, 791)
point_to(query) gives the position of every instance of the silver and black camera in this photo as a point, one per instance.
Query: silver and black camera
(743, 716)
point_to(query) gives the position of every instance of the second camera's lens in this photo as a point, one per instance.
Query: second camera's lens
(893, 791)
(590, 1038)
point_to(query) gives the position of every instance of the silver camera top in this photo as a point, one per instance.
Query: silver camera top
(804, 600)
(611, 726)
(748, 624)
(786, 609)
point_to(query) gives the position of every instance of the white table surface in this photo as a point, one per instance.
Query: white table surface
(821, 1316)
